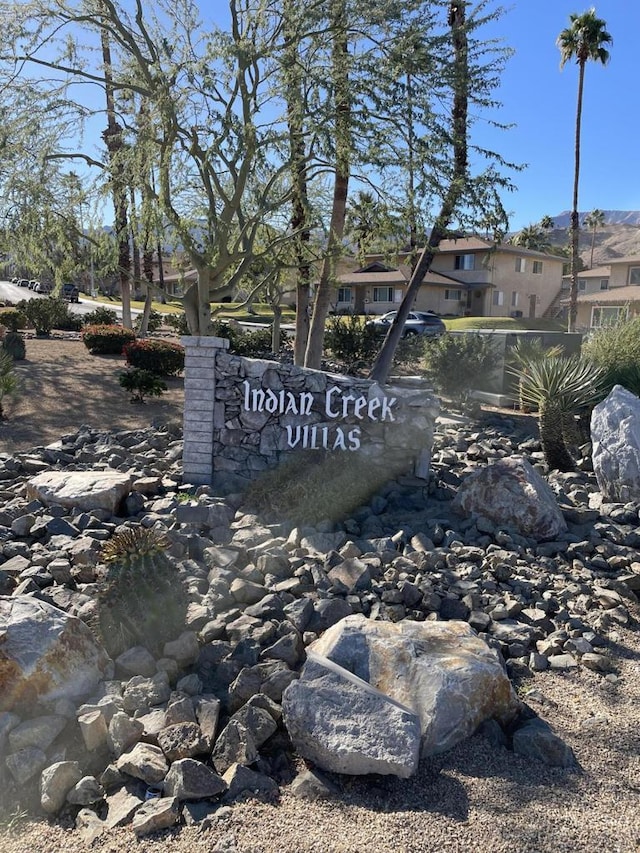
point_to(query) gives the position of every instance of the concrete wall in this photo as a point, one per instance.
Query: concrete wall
(499, 387)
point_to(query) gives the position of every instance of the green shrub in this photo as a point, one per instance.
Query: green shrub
(107, 339)
(13, 319)
(141, 383)
(101, 316)
(154, 324)
(9, 384)
(49, 313)
(250, 344)
(177, 322)
(13, 344)
(352, 341)
(142, 600)
(616, 350)
(458, 364)
(70, 322)
(163, 358)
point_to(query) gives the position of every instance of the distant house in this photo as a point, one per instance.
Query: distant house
(607, 293)
(469, 276)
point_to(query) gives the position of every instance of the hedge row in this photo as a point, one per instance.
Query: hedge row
(162, 358)
(106, 339)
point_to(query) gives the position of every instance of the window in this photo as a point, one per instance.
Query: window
(498, 297)
(582, 285)
(607, 315)
(453, 295)
(514, 299)
(634, 275)
(465, 262)
(604, 284)
(521, 264)
(383, 294)
(344, 294)
(537, 267)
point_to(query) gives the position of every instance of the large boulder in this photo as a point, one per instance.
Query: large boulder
(511, 493)
(343, 725)
(45, 654)
(615, 438)
(442, 671)
(84, 490)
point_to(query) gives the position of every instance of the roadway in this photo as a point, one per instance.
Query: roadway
(12, 293)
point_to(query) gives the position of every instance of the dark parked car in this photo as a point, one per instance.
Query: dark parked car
(70, 292)
(417, 323)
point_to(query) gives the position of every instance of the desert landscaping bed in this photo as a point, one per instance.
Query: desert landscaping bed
(63, 387)
(485, 797)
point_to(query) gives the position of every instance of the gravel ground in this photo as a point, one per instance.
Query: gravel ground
(483, 800)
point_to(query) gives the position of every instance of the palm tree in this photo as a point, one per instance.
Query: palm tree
(594, 220)
(547, 222)
(583, 40)
(531, 237)
(363, 216)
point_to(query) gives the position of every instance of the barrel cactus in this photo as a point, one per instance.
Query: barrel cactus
(141, 600)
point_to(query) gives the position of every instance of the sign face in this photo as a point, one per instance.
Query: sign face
(338, 405)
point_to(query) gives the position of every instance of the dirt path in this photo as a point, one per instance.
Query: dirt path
(63, 387)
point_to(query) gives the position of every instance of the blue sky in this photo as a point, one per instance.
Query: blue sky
(541, 100)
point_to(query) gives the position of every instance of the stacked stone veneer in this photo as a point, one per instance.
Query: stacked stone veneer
(243, 416)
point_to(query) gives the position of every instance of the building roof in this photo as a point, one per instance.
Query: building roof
(475, 244)
(597, 272)
(630, 293)
(374, 274)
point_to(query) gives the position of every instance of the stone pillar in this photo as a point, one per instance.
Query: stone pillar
(199, 398)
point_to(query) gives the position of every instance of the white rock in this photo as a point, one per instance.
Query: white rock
(511, 493)
(56, 782)
(47, 654)
(442, 671)
(342, 725)
(615, 438)
(85, 490)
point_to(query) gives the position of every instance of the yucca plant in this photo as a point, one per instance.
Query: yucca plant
(559, 388)
(141, 600)
(525, 351)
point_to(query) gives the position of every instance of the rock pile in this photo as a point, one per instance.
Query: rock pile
(202, 723)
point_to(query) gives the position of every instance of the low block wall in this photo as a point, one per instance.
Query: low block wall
(243, 416)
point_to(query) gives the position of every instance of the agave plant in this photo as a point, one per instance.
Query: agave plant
(558, 388)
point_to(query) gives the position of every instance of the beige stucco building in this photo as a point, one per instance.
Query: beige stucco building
(607, 293)
(469, 276)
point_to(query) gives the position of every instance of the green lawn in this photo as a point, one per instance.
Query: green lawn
(461, 324)
(223, 310)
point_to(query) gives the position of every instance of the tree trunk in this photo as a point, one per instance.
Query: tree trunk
(552, 437)
(340, 76)
(275, 329)
(457, 22)
(575, 219)
(147, 269)
(113, 140)
(299, 217)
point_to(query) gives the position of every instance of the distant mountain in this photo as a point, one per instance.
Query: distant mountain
(618, 238)
(611, 217)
